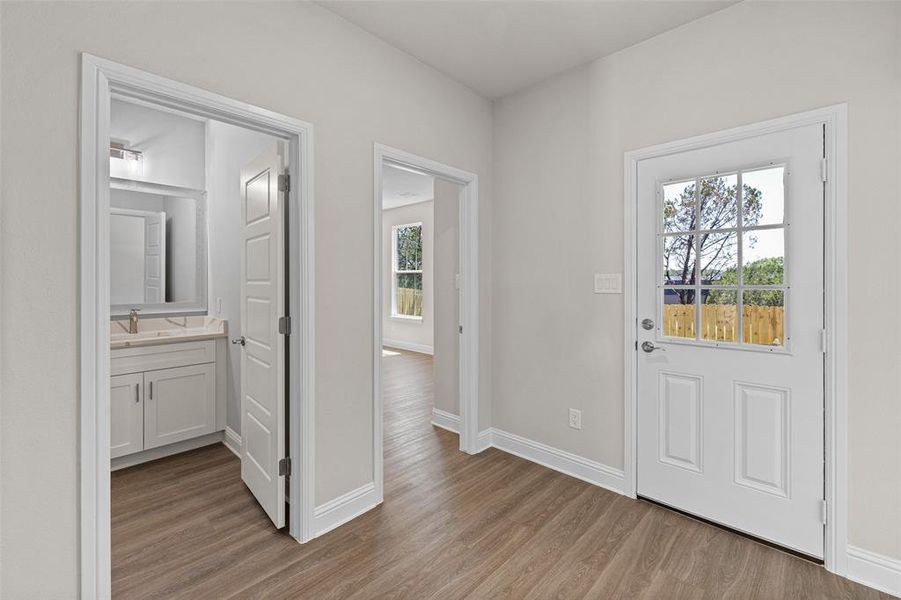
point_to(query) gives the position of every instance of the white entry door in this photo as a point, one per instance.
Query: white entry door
(730, 346)
(263, 411)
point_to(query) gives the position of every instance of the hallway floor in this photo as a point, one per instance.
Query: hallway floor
(451, 526)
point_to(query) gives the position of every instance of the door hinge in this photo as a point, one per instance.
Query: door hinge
(284, 183)
(824, 511)
(824, 340)
(284, 467)
(284, 325)
(824, 170)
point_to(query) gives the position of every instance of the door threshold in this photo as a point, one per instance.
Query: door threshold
(753, 538)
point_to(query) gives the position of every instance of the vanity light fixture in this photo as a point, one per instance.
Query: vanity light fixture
(125, 162)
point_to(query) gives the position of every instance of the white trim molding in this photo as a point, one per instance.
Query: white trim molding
(469, 297)
(100, 80)
(344, 508)
(874, 570)
(835, 119)
(445, 420)
(565, 462)
(232, 441)
(409, 346)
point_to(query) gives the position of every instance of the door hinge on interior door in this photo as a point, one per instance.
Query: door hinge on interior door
(284, 183)
(284, 467)
(824, 511)
(284, 325)
(824, 170)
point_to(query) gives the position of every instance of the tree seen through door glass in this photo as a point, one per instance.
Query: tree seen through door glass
(718, 204)
(408, 271)
(679, 205)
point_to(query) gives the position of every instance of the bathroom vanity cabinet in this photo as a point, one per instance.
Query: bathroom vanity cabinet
(165, 398)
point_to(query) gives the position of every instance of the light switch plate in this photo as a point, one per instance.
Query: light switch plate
(608, 283)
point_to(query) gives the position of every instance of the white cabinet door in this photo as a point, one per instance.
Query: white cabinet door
(179, 404)
(126, 414)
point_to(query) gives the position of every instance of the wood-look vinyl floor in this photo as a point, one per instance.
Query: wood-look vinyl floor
(451, 526)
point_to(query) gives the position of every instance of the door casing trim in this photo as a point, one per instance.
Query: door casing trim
(835, 118)
(99, 79)
(469, 298)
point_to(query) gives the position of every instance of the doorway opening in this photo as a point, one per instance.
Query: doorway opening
(426, 301)
(196, 314)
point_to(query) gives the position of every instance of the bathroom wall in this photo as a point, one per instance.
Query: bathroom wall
(228, 149)
(172, 144)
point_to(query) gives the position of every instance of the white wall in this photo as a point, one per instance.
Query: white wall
(446, 361)
(294, 58)
(172, 144)
(418, 333)
(558, 196)
(229, 148)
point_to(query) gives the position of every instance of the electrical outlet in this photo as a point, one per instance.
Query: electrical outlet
(575, 418)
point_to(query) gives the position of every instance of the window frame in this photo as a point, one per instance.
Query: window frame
(395, 271)
(739, 229)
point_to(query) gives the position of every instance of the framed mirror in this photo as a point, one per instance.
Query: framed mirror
(158, 249)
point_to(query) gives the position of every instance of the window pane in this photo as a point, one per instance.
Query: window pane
(679, 313)
(409, 248)
(763, 197)
(679, 260)
(409, 294)
(719, 258)
(719, 315)
(763, 257)
(679, 206)
(763, 317)
(719, 209)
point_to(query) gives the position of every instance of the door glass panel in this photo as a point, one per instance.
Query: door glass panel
(719, 258)
(679, 260)
(763, 197)
(763, 257)
(719, 315)
(679, 312)
(763, 317)
(718, 204)
(679, 204)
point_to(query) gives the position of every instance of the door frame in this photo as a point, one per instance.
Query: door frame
(836, 306)
(469, 298)
(100, 79)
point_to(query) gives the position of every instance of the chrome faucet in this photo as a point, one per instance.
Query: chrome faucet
(133, 320)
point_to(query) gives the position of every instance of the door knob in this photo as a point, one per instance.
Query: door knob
(239, 340)
(649, 347)
(647, 324)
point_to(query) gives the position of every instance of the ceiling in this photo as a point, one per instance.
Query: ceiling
(499, 47)
(401, 187)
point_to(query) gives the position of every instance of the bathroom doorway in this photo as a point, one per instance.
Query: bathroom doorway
(196, 299)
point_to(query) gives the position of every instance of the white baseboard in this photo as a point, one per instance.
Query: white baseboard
(340, 510)
(483, 441)
(446, 420)
(130, 460)
(421, 348)
(874, 570)
(232, 441)
(559, 460)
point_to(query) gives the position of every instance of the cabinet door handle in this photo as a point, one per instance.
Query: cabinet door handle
(137, 393)
(151, 390)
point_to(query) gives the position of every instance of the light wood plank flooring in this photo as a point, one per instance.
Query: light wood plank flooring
(452, 526)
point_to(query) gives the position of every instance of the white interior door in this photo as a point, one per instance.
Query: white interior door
(730, 355)
(263, 357)
(155, 257)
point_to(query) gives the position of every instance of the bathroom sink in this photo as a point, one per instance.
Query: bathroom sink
(167, 330)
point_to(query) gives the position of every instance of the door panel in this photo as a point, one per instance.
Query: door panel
(730, 387)
(263, 411)
(180, 404)
(126, 414)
